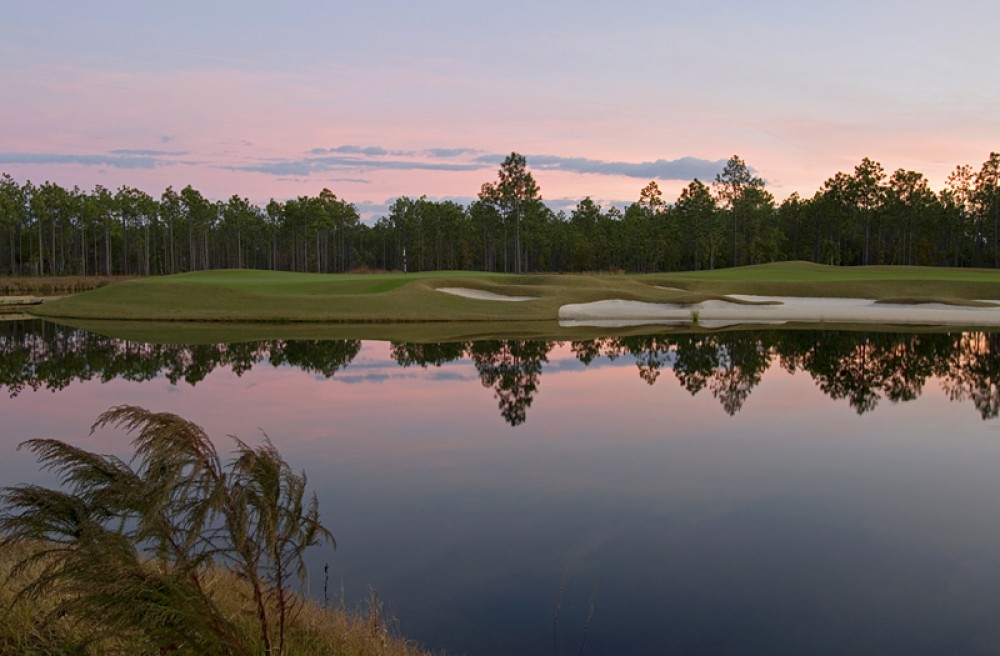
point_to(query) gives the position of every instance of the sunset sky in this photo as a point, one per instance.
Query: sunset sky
(386, 98)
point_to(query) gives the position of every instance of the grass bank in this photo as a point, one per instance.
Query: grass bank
(30, 627)
(53, 285)
(204, 333)
(912, 283)
(268, 296)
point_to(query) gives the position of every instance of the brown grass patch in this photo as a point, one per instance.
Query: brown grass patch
(54, 285)
(29, 628)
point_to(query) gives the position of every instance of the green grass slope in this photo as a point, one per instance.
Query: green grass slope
(289, 297)
(268, 296)
(876, 282)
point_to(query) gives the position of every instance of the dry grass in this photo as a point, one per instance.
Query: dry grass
(29, 628)
(54, 285)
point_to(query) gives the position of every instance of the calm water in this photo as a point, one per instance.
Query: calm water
(732, 493)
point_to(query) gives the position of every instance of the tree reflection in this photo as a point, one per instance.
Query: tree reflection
(651, 355)
(321, 357)
(975, 372)
(729, 364)
(743, 363)
(39, 355)
(406, 354)
(696, 362)
(860, 367)
(513, 368)
(864, 367)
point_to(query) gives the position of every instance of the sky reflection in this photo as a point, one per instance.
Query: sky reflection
(794, 526)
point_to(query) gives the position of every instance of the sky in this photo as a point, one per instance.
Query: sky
(381, 99)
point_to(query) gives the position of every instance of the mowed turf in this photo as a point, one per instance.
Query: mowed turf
(282, 297)
(912, 283)
(268, 296)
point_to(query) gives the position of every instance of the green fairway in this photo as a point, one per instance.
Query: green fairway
(267, 296)
(900, 283)
(281, 297)
(810, 272)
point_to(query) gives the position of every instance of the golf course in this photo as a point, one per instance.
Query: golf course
(462, 296)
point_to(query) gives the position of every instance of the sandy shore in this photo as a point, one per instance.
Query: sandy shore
(780, 309)
(756, 310)
(480, 295)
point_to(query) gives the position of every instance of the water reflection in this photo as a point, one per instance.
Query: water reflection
(859, 367)
(795, 527)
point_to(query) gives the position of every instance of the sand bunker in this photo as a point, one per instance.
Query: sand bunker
(784, 309)
(480, 295)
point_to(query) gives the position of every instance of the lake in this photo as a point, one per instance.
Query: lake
(744, 492)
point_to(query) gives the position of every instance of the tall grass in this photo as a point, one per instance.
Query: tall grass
(173, 551)
(29, 627)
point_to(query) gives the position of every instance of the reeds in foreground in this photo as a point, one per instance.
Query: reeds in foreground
(173, 551)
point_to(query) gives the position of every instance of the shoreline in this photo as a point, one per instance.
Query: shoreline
(764, 294)
(775, 310)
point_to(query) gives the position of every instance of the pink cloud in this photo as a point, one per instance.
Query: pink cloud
(229, 118)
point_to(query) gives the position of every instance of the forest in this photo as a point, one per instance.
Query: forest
(865, 216)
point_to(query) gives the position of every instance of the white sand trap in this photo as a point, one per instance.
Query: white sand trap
(480, 295)
(786, 309)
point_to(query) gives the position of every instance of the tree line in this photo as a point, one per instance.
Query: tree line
(865, 216)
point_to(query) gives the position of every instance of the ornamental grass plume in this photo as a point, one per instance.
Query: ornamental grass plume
(129, 549)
